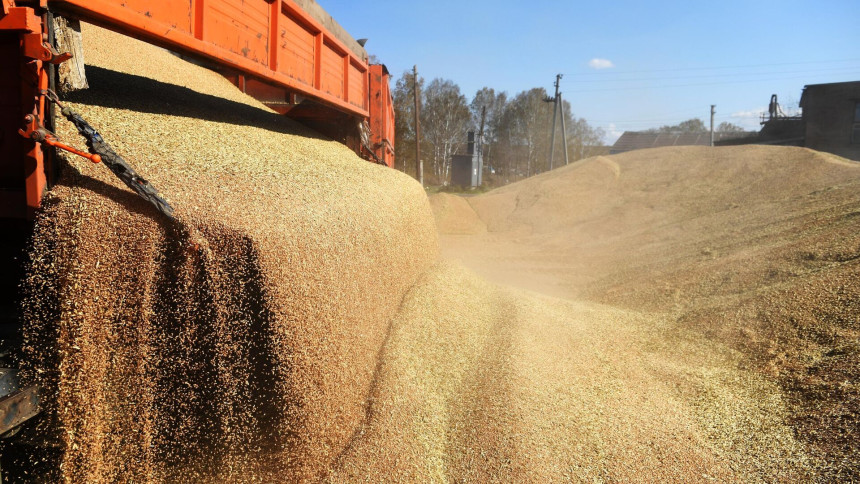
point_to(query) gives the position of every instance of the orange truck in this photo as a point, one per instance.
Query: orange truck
(289, 54)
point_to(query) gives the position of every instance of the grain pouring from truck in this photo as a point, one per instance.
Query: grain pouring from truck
(289, 54)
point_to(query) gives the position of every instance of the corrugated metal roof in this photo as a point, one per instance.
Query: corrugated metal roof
(635, 140)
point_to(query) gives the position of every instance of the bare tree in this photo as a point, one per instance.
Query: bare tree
(507, 143)
(582, 138)
(694, 125)
(530, 119)
(522, 139)
(516, 131)
(726, 127)
(445, 118)
(404, 120)
(487, 101)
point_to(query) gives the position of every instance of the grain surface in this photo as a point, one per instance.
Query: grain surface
(751, 252)
(484, 383)
(672, 315)
(248, 360)
(454, 215)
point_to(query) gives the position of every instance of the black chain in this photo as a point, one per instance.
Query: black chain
(112, 160)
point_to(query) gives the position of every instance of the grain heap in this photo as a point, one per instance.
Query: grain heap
(251, 359)
(485, 384)
(753, 251)
(453, 215)
(313, 336)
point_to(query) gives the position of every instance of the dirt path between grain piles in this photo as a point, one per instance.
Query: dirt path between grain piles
(750, 252)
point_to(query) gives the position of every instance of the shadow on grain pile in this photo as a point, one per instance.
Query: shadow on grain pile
(175, 100)
(175, 374)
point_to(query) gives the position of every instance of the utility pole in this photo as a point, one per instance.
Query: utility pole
(712, 123)
(554, 100)
(481, 146)
(563, 130)
(419, 165)
(481, 131)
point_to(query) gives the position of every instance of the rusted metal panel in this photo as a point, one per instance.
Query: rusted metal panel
(24, 167)
(332, 75)
(287, 53)
(237, 34)
(36, 167)
(13, 197)
(334, 29)
(265, 93)
(357, 86)
(175, 13)
(381, 114)
(296, 44)
(272, 34)
(18, 407)
(239, 27)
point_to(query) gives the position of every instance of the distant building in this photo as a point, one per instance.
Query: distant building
(635, 140)
(831, 118)
(467, 170)
(779, 128)
(830, 121)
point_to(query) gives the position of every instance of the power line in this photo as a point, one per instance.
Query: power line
(709, 76)
(649, 120)
(669, 118)
(676, 118)
(672, 86)
(680, 69)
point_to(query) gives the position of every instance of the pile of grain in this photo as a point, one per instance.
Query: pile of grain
(250, 359)
(315, 336)
(752, 248)
(488, 384)
(454, 215)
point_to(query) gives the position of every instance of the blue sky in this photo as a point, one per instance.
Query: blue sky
(670, 60)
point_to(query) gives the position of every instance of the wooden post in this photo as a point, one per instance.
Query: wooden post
(554, 117)
(481, 146)
(563, 129)
(419, 165)
(67, 31)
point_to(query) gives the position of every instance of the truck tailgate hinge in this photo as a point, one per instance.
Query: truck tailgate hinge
(35, 47)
